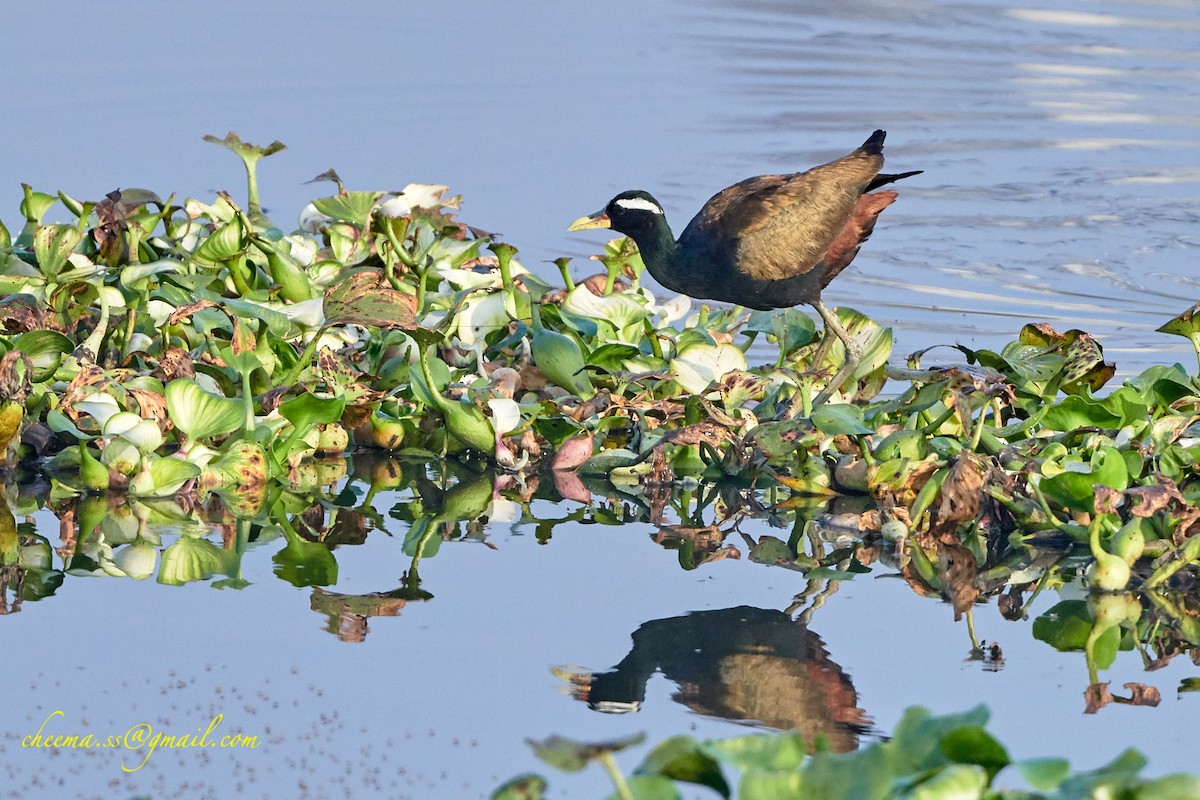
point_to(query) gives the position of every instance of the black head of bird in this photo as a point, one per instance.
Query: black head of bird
(768, 242)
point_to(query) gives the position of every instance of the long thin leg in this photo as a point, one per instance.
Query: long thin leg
(853, 352)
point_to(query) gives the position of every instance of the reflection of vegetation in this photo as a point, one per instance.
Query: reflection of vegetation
(938, 758)
(743, 664)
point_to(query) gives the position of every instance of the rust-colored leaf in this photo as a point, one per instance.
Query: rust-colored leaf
(1106, 499)
(152, 405)
(176, 363)
(1142, 694)
(962, 491)
(1096, 697)
(1149, 500)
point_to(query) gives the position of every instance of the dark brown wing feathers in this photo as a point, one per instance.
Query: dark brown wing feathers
(778, 226)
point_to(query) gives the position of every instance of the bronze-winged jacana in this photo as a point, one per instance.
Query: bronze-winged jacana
(768, 242)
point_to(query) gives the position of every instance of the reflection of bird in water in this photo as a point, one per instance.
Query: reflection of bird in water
(774, 241)
(744, 664)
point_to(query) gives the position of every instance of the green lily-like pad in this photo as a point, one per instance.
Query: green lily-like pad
(1044, 774)
(353, 207)
(307, 409)
(201, 414)
(1073, 489)
(781, 752)
(681, 758)
(1078, 411)
(791, 327)
(571, 756)
(971, 744)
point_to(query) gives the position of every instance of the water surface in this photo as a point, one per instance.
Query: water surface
(1061, 185)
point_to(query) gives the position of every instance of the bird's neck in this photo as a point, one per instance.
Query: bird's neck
(659, 252)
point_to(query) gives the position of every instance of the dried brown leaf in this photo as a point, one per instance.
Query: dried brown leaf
(1142, 694)
(962, 491)
(1096, 697)
(185, 312)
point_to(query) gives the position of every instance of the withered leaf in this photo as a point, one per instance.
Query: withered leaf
(1142, 694)
(185, 312)
(962, 491)
(1107, 499)
(1096, 697)
(365, 298)
(957, 570)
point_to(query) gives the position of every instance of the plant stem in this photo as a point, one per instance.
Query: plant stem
(614, 772)
(562, 263)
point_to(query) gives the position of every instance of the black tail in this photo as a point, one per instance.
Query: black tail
(873, 146)
(883, 179)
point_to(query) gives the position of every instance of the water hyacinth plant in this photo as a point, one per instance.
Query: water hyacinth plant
(166, 349)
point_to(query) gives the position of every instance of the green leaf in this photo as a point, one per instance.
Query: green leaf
(190, 559)
(1074, 489)
(868, 773)
(1064, 626)
(957, 782)
(775, 753)
(572, 756)
(166, 476)
(1044, 774)
(971, 744)
(915, 739)
(45, 349)
(611, 357)
(606, 461)
(840, 418)
(529, 786)
(1171, 787)
(137, 276)
(307, 409)
(53, 245)
(303, 563)
(1077, 411)
(227, 242)
(778, 786)
(200, 414)
(277, 322)
(352, 207)
(650, 787)
(770, 550)
(681, 758)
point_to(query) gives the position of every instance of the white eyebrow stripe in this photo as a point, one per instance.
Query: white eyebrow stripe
(640, 204)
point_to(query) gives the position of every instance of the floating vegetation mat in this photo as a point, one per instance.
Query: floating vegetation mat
(197, 365)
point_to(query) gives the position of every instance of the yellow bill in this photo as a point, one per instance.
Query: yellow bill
(597, 220)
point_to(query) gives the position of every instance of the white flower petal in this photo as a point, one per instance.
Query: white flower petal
(699, 365)
(506, 414)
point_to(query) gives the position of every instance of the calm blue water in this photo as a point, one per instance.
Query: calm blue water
(1061, 185)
